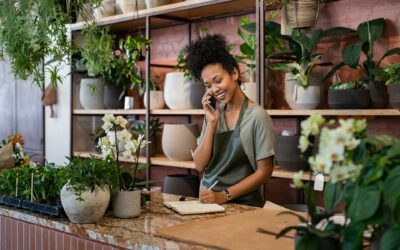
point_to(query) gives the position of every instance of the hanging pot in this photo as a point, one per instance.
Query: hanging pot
(182, 93)
(300, 98)
(302, 13)
(88, 99)
(112, 94)
(91, 209)
(126, 204)
(394, 95)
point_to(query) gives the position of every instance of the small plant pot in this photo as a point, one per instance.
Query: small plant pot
(89, 100)
(250, 90)
(112, 96)
(300, 98)
(394, 95)
(349, 99)
(178, 140)
(182, 184)
(288, 154)
(126, 204)
(378, 94)
(156, 99)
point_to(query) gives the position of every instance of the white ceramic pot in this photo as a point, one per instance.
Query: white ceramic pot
(182, 93)
(90, 210)
(89, 100)
(156, 3)
(300, 98)
(126, 204)
(156, 99)
(178, 140)
(250, 90)
(106, 9)
(127, 6)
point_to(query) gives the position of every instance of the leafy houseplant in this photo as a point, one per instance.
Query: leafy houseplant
(33, 35)
(391, 74)
(351, 94)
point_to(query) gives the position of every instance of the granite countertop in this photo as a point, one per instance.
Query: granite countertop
(135, 233)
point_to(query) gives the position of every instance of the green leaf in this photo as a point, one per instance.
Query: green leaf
(246, 50)
(334, 69)
(273, 29)
(396, 211)
(308, 242)
(332, 196)
(371, 30)
(337, 31)
(391, 187)
(394, 51)
(390, 239)
(364, 203)
(353, 236)
(351, 55)
(315, 37)
(394, 151)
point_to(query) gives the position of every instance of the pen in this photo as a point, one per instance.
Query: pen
(213, 185)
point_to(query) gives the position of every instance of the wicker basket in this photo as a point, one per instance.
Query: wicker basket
(302, 13)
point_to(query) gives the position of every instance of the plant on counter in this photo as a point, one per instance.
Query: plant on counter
(339, 85)
(301, 60)
(368, 32)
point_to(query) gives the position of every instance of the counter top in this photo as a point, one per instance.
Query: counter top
(135, 233)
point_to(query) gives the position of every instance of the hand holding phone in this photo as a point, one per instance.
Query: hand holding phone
(212, 103)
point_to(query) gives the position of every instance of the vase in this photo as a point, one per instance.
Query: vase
(87, 98)
(112, 97)
(91, 209)
(182, 93)
(300, 98)
(250, 90)
(126, 204)
(178, 140)
(156, 99)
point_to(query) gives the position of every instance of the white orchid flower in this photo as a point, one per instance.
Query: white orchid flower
(312, 125)
(108, 118)
(298, 183)
(107, 126)
(124, 135)
(304, 143)
(321, 163)
(339, 174)
(121, 121)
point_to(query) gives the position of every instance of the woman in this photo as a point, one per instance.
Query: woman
(236, 146)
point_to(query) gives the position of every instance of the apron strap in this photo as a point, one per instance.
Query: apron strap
(242, 109)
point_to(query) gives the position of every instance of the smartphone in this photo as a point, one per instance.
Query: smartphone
(213, 103)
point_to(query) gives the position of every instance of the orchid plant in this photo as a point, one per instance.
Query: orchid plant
(111, 149)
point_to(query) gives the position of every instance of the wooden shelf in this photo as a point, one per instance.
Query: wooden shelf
(335, 112)
(271, 112)
(161, 160)
(176, 13)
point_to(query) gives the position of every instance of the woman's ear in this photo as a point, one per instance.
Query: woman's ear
(235, 74)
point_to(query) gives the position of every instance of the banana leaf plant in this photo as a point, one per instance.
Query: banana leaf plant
(368, 32)
(301, 60)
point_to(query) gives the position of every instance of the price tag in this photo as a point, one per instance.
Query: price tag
(319, 182)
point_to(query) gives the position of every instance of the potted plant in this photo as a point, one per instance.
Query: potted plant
(348, 95)
(391, 76)
(42, 45)
(86, 195)
(156, 94)
(302, 86)
(297, 13)
(181, 90)
(247, 32)
(139, 128)
(127, 199)
(97, 52)
(368, 32)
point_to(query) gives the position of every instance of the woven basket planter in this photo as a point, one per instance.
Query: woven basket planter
(302, 13)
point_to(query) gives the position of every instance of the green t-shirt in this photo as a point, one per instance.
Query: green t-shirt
(256, 133)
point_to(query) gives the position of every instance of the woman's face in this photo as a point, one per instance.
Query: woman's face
(220, 83)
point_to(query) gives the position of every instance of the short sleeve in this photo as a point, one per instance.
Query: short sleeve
(203, 131)
(264, 136)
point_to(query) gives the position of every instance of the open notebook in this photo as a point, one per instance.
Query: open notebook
(193, 207)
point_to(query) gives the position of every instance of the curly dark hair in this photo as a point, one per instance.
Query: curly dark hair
(210, 49)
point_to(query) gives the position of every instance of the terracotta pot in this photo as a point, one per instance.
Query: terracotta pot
(126, 204)
(301, 98)
(90, 210)
(88, 99)
(182, 93)
(178, 140)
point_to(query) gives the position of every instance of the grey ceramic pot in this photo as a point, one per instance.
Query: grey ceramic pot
(111, 97)
(394, 95)
(288, 154)
(349, 99)
(378, 94)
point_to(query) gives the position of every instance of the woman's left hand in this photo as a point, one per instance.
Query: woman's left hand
(209, 196)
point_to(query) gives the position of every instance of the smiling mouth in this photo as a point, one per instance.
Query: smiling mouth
(220, 96)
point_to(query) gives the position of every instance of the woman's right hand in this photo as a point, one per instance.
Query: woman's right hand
(211, 114)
